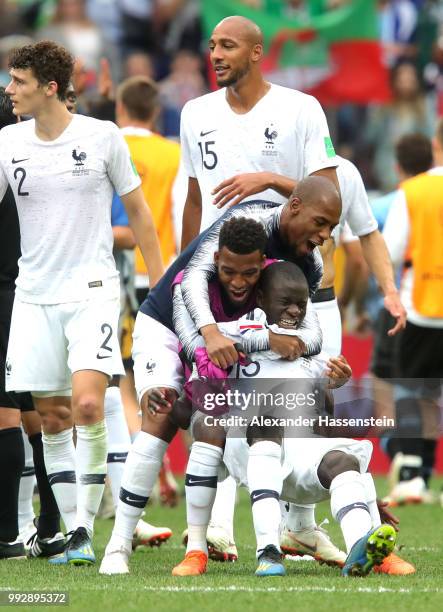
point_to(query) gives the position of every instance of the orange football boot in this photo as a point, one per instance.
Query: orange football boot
(395, 566)
(193, 564)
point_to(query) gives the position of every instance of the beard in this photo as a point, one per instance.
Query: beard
(234, 77)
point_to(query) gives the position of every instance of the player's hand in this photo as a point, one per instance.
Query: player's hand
(339, 372)
(158, 400)
(221, 351)
(395, 307)
(235, 189)
(288, 347)
(386, 516)
(105, 84)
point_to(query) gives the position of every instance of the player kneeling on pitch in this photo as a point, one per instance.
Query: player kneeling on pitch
(300, 470)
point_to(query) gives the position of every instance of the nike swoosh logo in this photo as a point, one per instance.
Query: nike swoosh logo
(206, 133)
(258, 497)
(130, 500)
(191, 482)
(103, 356)
(17, 161)
(311, 548)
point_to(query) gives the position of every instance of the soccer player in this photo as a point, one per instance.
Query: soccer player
(19, 406)
(309, 470)
(63, 169)
(292, 231)
(356, 212)
(248, 126)
(414, 231)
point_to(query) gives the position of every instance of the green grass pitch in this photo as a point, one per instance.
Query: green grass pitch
(231, 587)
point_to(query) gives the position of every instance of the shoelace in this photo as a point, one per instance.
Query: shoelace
(320, 527)
(270, 552)
(77, 537)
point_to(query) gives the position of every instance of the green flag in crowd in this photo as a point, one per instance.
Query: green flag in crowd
(335, 54)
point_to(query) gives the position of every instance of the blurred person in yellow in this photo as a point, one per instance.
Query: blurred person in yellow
(156, 159)
(414, 232)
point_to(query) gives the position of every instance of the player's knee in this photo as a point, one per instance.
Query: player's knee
(56, 419)
(214, 435)
(88, 409)
(335, 463)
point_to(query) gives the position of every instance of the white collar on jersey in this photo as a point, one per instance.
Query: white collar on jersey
(135, 131)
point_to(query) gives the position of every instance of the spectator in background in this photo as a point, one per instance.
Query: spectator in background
(398, 21)
(413, 154)
(408, 112)
(139, 63)
(181, 26)
(71, 27)
(414, 231)
(106, 15)
(139, 32)
(185, 80)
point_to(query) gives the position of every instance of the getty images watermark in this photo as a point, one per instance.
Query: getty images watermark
(305, 407)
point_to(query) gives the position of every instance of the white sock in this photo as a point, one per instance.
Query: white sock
(349, 507)
(224, 505)
(91, 455)
(371, 498)
(27, 483)
(119, 440)
(301, 517)
(139, 476)
(265, 481)
(201, 486)
(59, 453)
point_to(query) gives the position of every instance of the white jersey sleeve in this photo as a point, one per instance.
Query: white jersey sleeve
(396, 229)
(318, 147)
(346, 235)
(356, 210)
(184, 326)
(120, 167)
(186, 156)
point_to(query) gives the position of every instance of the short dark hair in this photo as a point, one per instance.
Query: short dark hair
(414, 153)
(281, 270)
(242, 236)
(7, 117)
(140, 97)
(48, 62)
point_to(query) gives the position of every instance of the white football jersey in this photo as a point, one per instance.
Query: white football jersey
(356, 210)
(302, 368)
(63, 189)
(286, 133)
(267, 364)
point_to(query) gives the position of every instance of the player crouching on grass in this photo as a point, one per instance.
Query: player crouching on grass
(313, 469)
